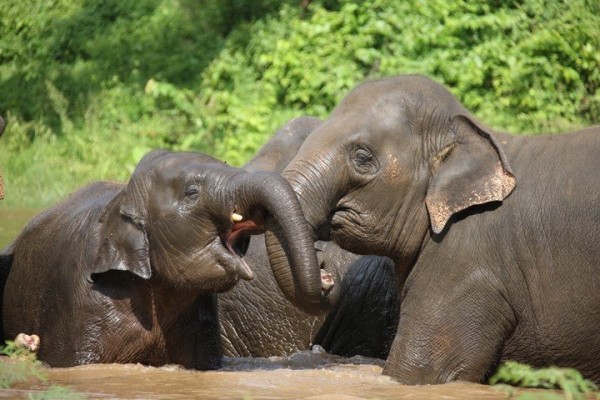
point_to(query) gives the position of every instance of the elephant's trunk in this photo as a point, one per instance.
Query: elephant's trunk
(290, 242)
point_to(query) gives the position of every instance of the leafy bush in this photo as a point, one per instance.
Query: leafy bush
(87, 87)
(525, 66)
(568, 380)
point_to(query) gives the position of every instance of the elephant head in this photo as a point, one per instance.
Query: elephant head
(396, 159)
(192, 216)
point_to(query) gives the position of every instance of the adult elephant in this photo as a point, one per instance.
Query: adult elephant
(127, 273)
(497, 234)
(256, 319)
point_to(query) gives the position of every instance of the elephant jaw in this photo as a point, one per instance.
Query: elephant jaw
(236, 241)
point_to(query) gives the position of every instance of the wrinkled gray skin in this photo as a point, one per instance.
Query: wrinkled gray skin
(497, 234)
(2, 125)
(258, 321)
(127, 273)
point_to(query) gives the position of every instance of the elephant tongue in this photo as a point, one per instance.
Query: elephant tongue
(238, 230)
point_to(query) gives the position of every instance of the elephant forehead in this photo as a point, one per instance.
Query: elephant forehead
(378, 113)
(388, 112)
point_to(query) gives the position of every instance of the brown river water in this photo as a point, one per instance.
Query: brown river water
(304, 375)
(301, 376)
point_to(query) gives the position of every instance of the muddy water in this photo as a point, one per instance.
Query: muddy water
(302, 376)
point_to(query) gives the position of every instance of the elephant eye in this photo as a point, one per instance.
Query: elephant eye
(363, 161)
(192, 190)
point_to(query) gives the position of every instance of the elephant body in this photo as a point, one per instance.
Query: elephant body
(521, 276)
(128, 273)
(494, 236)
(529, 282)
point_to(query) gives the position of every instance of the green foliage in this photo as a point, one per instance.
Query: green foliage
(24, 367)
(56, 393)
(523, 67)
(568, 380)
(88, 87)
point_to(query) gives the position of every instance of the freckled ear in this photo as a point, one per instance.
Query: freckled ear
(124, 243)
(471, 171)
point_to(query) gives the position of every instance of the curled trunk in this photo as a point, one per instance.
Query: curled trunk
(290, 242)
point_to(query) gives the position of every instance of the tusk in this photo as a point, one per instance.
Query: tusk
(235, 217)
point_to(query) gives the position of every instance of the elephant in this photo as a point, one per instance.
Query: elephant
(128, 273)
(257, 321)
(494, 236)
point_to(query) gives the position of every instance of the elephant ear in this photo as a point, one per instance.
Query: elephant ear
(124, 239)
(472, 170)
(124, 242)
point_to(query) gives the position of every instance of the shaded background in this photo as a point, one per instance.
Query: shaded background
(87, 87)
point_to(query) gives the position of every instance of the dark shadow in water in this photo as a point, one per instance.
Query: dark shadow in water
(316, 359)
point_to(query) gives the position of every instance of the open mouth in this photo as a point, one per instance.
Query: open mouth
(327, 277)
(237, 241)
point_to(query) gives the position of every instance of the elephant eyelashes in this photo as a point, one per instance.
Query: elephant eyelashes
(363, 161)
(191, 190)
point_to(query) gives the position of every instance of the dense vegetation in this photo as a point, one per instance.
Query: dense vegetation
(88, 87)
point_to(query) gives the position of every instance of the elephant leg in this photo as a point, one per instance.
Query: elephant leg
(448, 335)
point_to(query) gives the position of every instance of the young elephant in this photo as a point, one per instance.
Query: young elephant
(497, 234)
(257, 321)
(127, 273)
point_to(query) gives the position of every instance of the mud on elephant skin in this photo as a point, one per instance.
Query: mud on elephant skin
(495, 233)
(128, 273)
(256, 319)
